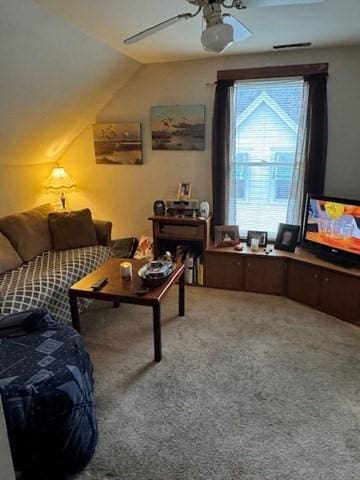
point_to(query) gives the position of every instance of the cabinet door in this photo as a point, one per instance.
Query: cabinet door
(303, 283)
(265, 275)
(340, 296)
(224, 271)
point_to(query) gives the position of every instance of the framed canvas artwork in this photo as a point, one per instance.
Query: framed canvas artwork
(176, 127)
(118, 143)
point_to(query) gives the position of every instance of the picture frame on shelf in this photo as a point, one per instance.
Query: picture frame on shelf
(226, 235)
(258, 234)
(287, 237)
(184, 191)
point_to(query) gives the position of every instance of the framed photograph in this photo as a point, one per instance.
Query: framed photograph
(262, 236)
(118, 143)
(178, 127)
(226, 236)
(287, 237)
(184, 191)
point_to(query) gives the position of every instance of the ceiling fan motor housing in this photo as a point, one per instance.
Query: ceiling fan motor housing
(212, 14)
(239, 4)
(199, 3)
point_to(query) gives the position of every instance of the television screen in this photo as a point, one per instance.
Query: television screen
(333, 223)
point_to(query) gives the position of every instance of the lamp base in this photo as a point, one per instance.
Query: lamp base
(63, 200)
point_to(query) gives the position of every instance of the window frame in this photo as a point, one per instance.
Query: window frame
(277, 165)
(271, 197)
(246, 178)
(258, 73)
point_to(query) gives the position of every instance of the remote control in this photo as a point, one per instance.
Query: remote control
(142, 291)
(100, 283)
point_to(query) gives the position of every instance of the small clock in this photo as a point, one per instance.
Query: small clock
(204, 209)
(159, 208)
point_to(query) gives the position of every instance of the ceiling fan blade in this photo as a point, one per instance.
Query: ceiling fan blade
(277, 3)
(241, 32)
(156, 28)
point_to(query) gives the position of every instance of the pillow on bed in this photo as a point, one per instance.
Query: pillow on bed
(9, 258)
(72, 229)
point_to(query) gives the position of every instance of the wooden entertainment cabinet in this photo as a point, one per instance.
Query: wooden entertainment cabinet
(299, 276)
(170, 231)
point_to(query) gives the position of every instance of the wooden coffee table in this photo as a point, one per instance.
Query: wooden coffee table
(118, 290)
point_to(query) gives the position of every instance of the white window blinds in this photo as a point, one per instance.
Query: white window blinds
(266, 153)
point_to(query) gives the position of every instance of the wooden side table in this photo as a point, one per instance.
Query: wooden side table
(168, 230)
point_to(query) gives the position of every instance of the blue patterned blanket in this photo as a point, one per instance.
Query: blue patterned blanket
(46, 385)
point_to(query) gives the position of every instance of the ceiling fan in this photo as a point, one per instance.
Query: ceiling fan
(220, 29)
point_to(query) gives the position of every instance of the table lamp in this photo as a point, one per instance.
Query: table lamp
(58, 181)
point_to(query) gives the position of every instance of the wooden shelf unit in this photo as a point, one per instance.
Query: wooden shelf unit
(299, 276)
(168, 230)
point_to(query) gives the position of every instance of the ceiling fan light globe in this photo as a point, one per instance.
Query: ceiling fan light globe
(217, 38)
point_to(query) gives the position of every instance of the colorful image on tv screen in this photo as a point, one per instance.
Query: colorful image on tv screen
(334, 224)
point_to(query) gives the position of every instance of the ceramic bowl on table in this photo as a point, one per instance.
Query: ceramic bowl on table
(154, 274)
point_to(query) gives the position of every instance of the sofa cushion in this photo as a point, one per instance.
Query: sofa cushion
(72, 229)
(9, 258)
(103, 231)
(28, 231)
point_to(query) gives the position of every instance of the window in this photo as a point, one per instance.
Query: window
(240, 176)
(283, 172)
(267, 133)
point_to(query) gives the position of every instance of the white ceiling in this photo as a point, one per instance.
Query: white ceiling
(331, 23)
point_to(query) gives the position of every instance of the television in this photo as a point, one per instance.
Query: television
(331, 229)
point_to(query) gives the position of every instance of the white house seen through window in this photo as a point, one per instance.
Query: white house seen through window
(267, 134)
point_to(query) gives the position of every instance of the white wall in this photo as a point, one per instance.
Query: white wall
(125, 193)
(54, 79)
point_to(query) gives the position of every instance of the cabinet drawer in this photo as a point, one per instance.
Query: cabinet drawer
(224, 271)
(170, 231)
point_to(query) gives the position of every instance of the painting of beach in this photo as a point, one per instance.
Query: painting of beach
(118, 143)
(178, 127)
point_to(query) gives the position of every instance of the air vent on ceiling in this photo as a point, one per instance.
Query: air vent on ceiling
(292, 45)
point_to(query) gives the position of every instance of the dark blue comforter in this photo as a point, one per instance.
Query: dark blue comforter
(46, 385)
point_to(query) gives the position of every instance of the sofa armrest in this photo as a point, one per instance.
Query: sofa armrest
(103, 232)
(124, 247)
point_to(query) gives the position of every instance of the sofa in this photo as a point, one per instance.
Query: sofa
(43, 253)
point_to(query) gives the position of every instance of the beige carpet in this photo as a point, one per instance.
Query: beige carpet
(251, 387)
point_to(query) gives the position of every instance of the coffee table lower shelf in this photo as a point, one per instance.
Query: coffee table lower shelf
(118, 290)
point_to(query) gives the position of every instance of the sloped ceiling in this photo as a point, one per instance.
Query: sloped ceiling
(54, 79)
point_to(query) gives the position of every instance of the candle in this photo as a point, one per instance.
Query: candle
(254, 244)
(126, 270)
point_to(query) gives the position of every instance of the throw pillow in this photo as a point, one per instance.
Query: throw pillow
(28, 231)
(9, 258)
(72, 229)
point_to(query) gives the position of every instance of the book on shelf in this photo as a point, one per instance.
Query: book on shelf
(189, 268)
(194, 268)
(200, 271)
